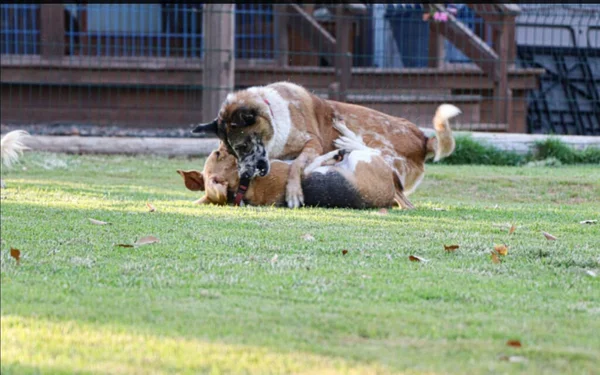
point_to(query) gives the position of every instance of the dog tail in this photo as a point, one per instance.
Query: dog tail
(12, 146)
(442, 144)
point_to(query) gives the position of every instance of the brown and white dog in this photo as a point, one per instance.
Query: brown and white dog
(355, 176)
(285, 121)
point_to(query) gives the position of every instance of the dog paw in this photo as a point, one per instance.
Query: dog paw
(294, 195)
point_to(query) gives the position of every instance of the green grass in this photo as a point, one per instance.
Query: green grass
(550, 150)
(209, 299)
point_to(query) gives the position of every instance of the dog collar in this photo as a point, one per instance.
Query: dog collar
(239, 196)
(270, 110)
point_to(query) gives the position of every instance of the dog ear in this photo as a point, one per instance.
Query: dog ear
(208, 128)
(244, 117)
(193, 180)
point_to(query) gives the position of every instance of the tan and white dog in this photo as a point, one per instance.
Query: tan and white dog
(11, 147)
(354, 176)
(285, 121)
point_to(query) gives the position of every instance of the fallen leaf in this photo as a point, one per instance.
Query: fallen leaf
(15, 253)
(588, 222)
(308, 237)
(512, 229)
(438, 209)
(514, 343)
(549, 236)
(98, 222)
(451, 248)
(495, 258)
(123, 245)
(501, 249)
(344, 252)
(414, 258)
(274, 259)
(591, 273)
(383, 211)
(150, 207)
(146, 241)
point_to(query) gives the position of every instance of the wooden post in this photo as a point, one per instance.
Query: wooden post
(281, 33)
(343, 58)
(52, 30)
(436, 46)
(502, 42)
(219, 59)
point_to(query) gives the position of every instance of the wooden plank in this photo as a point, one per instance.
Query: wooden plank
(311, 77)
(436, 46)
(470, 44)
(282, 36)
(319, 38)
(219, 57)
(343, 58)
(52, 30)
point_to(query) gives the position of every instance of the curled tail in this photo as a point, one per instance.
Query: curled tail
(12, 146)
(442, 144)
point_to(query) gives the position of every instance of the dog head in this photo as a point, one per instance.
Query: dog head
(217, 179)
(244, 125)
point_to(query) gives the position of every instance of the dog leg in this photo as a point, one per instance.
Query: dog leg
(318, 162)
(402, 201)
(293, 194)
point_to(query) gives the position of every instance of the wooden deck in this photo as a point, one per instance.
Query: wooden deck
(175, 91)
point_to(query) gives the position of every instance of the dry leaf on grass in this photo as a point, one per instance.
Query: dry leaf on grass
(501, 249)
(98, 222)
(308, 237)
(549, 236)
(512, 229)
(15, 253)
(514, 343)
(591, 273)
(150, 207)
(451, 248)
(495, 258)
(438, 209)
(123, 245)
(274, 259)
(146, 241)
(383, 211)
(588, 222)
(344, 252)
(414, 258)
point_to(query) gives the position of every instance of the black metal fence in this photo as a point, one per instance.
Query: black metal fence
(534, 69)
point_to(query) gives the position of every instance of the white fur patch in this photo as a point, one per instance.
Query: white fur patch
(351, 161)
(281, 120)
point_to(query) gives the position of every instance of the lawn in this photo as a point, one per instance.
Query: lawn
(239, 290)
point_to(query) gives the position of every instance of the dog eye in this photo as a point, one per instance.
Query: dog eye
(218, 154)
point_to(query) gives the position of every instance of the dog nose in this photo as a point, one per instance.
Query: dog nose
(263, 167)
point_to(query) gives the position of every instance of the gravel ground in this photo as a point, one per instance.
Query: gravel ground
(98, 131)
